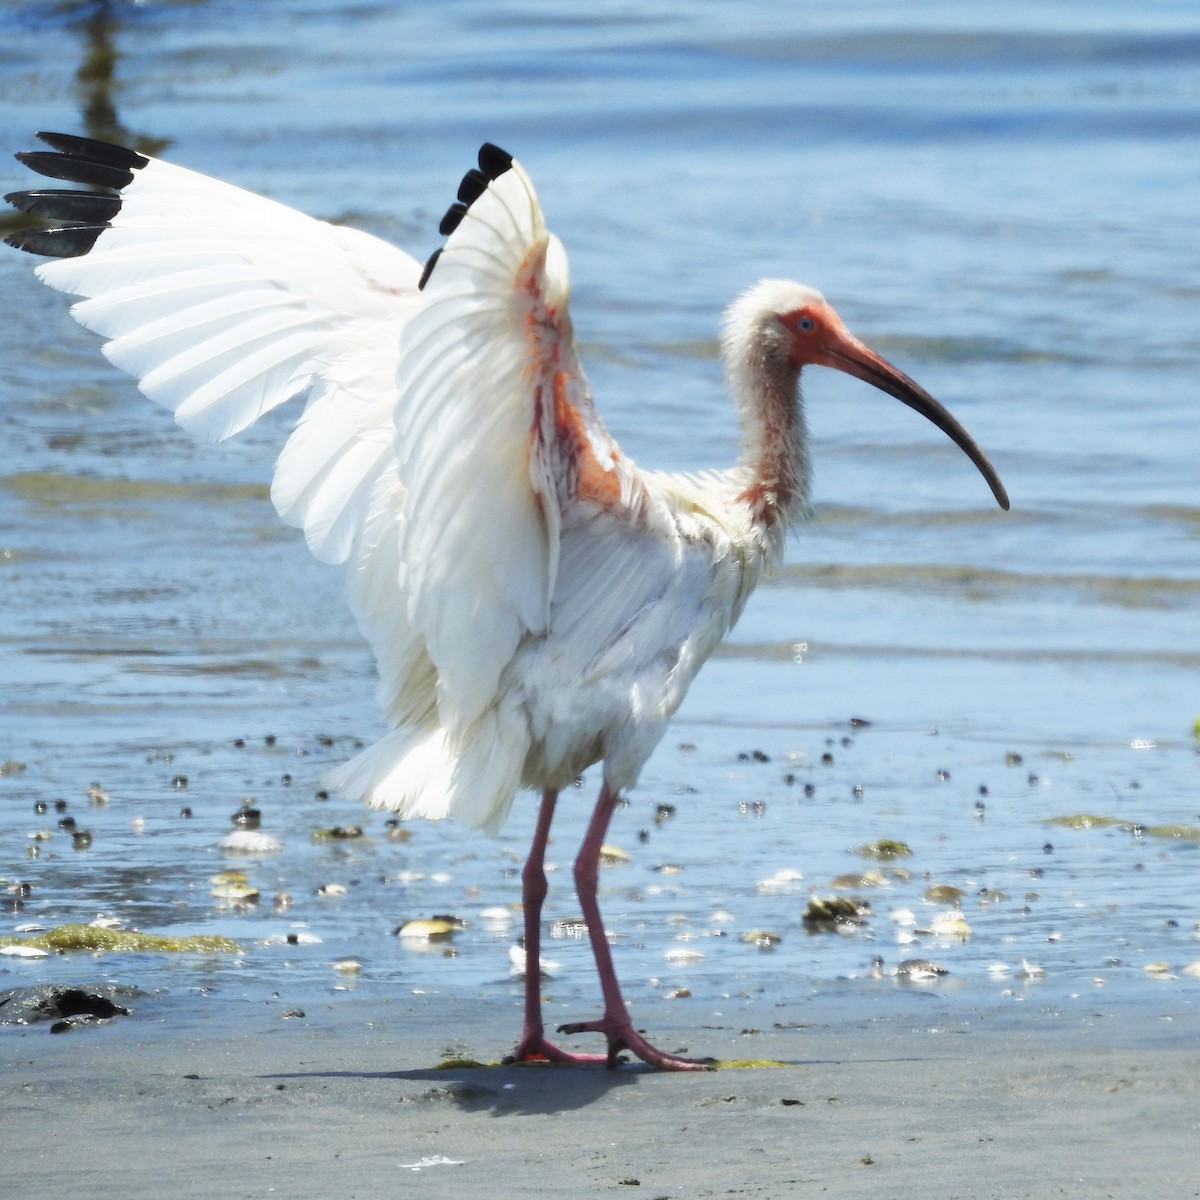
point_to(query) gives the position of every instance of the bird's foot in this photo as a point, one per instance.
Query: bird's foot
(621, 1035)
(535, 1047)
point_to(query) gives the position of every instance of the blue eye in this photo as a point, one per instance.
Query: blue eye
(805, 323)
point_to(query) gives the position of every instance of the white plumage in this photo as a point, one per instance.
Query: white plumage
(536, 603)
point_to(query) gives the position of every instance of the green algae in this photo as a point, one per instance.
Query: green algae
(1187, 833)
(883, 850)
(943, 893)
(1168, 832)
(1083, 821)
(749, 1064)
(94, 938)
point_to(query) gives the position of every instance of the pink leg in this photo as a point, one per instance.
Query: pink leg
(533, 1044)
(616, 1024)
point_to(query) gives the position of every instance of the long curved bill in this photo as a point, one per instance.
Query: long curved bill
(854, 358)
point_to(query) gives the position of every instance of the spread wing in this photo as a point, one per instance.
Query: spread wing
(224, 305)
(497, 435)
(447, 427)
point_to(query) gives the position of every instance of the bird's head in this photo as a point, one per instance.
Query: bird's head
(779, 327)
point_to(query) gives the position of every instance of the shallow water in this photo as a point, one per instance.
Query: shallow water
(1001, 200)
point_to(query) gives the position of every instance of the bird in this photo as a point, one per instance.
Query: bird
(537, 603)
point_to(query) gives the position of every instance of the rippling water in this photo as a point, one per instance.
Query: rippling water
(1000, 198)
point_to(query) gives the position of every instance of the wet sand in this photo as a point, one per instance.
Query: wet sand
(347, 1101)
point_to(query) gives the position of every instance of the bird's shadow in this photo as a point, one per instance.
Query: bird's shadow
(525, 1089)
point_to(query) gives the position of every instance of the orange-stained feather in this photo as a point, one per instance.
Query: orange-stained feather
(594, 480)
(587, 477)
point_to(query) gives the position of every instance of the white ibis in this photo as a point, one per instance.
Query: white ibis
(536, 602)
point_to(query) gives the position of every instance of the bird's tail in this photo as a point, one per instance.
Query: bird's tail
(428, 772)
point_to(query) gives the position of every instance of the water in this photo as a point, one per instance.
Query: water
(1002, 199)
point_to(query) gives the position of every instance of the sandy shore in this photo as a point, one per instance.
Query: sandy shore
(347, 1101)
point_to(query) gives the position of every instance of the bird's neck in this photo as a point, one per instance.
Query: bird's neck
(774, 440)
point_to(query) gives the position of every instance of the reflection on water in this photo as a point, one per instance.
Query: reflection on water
(1008, 216)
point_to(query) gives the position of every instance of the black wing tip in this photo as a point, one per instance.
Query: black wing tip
(493, 162)
(66, 241)
(84, 160)
(453, 218)
(474, 184)
(430, 263)
(85, 208)
(78, 216)
(94, 150)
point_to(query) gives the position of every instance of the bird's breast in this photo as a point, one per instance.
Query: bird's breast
(633, 619)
